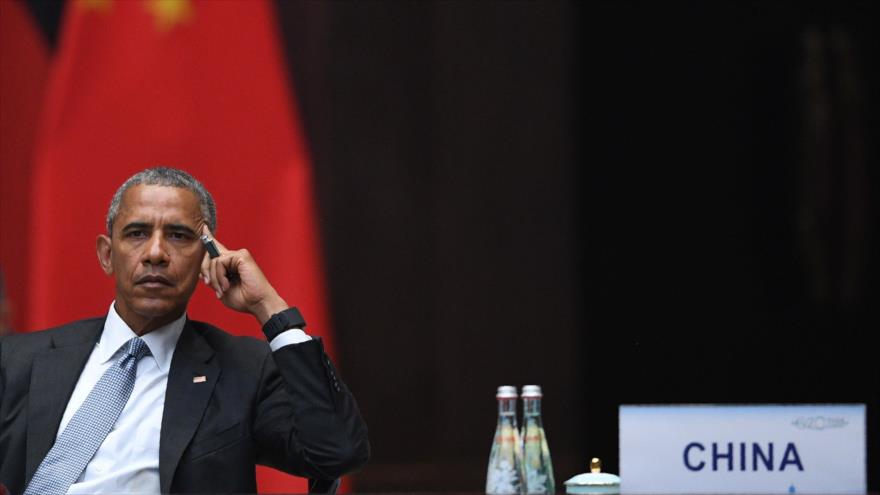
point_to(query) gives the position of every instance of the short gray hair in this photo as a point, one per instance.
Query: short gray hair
(169, 177)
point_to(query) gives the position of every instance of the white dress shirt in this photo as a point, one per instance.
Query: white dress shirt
(128, 460)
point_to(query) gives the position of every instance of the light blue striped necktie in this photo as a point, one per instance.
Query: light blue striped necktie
(88, 427)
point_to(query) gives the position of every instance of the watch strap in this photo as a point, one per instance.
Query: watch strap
(283, 321)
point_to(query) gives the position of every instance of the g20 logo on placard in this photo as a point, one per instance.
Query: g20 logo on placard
(741, 456)
(819, 422)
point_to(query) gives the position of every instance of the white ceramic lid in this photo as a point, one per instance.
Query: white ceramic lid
(595, 477)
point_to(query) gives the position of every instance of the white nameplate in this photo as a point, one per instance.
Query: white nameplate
(743, 449)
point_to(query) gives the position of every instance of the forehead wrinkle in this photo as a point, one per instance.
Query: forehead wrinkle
(156, 205)
(163, 220)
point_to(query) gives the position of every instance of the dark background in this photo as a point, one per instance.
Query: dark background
(624, 202)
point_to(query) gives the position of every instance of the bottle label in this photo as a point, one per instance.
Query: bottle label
(503, 479)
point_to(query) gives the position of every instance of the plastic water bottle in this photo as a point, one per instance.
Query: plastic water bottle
(537, 466)
(505, 476)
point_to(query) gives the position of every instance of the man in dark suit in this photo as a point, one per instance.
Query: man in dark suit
(204, 406)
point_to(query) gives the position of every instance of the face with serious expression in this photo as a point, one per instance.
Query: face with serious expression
(154, 254)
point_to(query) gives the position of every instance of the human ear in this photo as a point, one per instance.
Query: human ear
(103, 247)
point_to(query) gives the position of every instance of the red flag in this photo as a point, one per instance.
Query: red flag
(197, 85)
(24, 64)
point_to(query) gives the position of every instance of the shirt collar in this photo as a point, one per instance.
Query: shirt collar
(161, 341)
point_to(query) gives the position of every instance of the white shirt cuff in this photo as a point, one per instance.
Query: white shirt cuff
(288, 337)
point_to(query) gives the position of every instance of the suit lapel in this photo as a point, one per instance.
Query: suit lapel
(54, 375)
(185, 399)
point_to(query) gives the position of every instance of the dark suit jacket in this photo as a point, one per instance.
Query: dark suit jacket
(287, 409)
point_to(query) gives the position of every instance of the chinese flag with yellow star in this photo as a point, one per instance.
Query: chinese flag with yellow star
(197, 85)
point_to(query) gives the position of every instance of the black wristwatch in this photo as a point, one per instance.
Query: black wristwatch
(280, 322)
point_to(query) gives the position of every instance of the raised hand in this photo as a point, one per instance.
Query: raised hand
(239, 283)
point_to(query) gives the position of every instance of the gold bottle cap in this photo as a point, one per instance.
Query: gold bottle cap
(595, 465)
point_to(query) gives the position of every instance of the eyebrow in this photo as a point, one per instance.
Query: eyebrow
(179, 227)
(136, 225)
(175, 227)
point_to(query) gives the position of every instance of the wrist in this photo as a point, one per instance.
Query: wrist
(264, 310)
(283, 321)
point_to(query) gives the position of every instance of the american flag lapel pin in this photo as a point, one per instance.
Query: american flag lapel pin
(200, 379)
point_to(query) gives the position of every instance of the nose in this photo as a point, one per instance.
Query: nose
(156, 252)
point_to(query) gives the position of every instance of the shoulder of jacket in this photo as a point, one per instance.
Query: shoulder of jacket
(222, 340)
(50, 332)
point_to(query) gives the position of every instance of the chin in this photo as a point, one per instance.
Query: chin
(157, 308)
